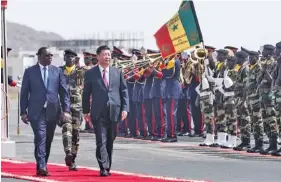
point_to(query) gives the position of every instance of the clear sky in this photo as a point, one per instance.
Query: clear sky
(247, 23)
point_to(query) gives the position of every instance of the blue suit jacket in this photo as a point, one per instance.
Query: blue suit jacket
(116, 96)
(34, 94)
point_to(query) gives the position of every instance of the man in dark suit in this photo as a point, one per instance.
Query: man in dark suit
(41, 86)
(110, 104)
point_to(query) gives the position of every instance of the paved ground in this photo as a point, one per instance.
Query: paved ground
(183, 159)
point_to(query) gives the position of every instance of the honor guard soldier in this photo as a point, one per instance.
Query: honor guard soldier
(88, 65)
(233, 49)
(219, 107)
(157, 93)
(184, 127)
(139, 99)
(171, 74)
(148, 102)
(192, 96)
(130, 80)
(267, 98)
(70, 126)
(11, 82)
(277, 90)
(243, 116)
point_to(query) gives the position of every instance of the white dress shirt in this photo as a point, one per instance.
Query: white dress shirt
(47, 76)
(106, 73)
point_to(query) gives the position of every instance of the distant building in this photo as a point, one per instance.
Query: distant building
(82, 45)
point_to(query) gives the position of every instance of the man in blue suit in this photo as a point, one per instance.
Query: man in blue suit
(43, 93)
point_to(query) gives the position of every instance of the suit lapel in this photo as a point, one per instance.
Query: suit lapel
(110, 78)
(38, 73)
(100, 77)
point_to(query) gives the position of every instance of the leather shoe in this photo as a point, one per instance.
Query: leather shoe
(104, 173)
(42, 172)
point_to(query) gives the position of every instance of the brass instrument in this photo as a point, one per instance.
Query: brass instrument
(194, 65)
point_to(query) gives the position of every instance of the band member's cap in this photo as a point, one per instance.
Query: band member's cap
(234, 49)
(210, 48)
(253, 53)
(222, 51)
(68, 51)
(242, 54)
(87, 54)
(268, 47)
(278, 45)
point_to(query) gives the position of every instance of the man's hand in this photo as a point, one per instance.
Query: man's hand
(124, 115)
(24, 118)
(87, 118)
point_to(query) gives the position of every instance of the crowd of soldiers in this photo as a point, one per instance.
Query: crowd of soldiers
(234, 95)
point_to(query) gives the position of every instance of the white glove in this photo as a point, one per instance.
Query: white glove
(225, 73)
(218, 82)
(197, 89)
(206, 62)
(227, 82)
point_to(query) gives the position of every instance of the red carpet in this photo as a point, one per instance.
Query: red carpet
(59, 173)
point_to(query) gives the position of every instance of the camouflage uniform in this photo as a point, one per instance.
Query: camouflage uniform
(229, 121)
(243, 116)
(267, 100)
(254, 102)
(70, 128)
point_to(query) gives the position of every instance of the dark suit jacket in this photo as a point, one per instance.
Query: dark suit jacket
(116, 96)
(34, 94)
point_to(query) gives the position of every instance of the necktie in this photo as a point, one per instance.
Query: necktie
(104, 79)
(45, 76)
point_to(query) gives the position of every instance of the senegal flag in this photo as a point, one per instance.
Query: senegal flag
(181, 32)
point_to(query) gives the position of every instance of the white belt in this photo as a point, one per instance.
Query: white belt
(228, 94)
(205, 93)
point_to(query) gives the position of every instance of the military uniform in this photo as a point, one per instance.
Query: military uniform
(71, 127)
(267, 100)
(148, 102)
(140, 110)
(229, 122)
(277, 91)
(243, 116)
(157, 93)
(171, 95)
(219, 107)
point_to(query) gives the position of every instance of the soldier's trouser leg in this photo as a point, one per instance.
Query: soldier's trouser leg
(149, 116)
(180, 112)
(187, 127)
(208, 109)
(196, 115)
(270, 119)
(160, 116)
(220, 125)
(256, 117)
(132, 119)
(141, 119)
(230, 120)
(243, 118)
(171, 106)
(75, 133)
(278, 109)
(67, 136)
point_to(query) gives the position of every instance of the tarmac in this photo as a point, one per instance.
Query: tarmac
(183, 159)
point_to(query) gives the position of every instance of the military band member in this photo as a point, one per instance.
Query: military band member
(139, 99)
(267, 98)
(171, 95)
(148, 102)
(228, 124)
(70, 127)
(157, 93)
(129, 77)
(219, 108)
(277, 89)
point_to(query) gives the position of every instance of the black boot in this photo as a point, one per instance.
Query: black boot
(272, 146)
(73, 166)
(68, 159)
(245, 145)
(258, 146)
(277, 153)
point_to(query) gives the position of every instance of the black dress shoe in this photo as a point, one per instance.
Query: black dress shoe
(42, 172)
(148, 137)
(169, 139)
(104, 173)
